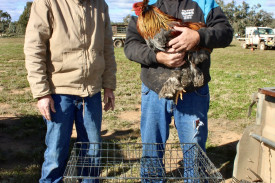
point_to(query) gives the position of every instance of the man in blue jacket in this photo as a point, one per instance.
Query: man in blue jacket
(190, 113)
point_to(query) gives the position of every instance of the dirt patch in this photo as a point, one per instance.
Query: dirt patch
(6, 111)
(220, 131)
(130, 116)
(15, 61)
(21, 91)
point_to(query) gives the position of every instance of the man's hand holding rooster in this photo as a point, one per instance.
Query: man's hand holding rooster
(186, 41)
(171, 58)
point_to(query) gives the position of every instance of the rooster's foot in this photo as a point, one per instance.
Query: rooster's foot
(179, 94)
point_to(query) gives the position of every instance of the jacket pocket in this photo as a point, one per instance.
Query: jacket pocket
(70, 72)
(69, 61)
(72, 60)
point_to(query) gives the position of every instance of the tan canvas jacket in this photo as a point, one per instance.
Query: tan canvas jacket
(69, 48)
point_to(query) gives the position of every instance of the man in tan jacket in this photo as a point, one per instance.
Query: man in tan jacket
(70, 58)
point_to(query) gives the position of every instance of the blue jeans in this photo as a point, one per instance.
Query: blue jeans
(87, 114)
(190, 116)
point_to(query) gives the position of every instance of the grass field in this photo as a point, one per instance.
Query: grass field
(236, 74)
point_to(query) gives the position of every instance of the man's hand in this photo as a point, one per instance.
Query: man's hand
(109, 99)
(187, 40)
(171, 58)
(45, 104)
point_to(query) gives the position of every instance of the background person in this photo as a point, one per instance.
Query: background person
(70, 58)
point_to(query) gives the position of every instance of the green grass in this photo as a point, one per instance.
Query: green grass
(11, 49)
(236, 74)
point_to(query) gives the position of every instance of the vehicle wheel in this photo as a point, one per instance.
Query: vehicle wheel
(118, 43)
(263, 46)
(245, 46)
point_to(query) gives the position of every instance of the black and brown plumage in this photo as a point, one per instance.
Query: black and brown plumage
(156, 28)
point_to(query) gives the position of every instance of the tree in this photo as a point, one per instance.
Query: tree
(5, 19)
(242, 18)
(24, 17)
(229, 10)
(127, 19)
(243, 15)
(12, 28)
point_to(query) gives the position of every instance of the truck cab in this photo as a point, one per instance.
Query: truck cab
(261, 37)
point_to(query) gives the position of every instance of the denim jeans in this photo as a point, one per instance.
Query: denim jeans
(87, 114)
(190, 116)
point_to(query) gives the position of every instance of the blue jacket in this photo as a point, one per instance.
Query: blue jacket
(218, 34)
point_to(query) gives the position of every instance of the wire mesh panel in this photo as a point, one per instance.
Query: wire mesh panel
(137, 162)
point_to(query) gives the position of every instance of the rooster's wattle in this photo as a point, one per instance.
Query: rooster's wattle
(156, 28)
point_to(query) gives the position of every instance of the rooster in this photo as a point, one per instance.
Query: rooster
(156, 28)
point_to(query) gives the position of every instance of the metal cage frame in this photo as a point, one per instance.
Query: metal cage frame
(124, 162)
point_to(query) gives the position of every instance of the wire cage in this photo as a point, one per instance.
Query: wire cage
(139, 162)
